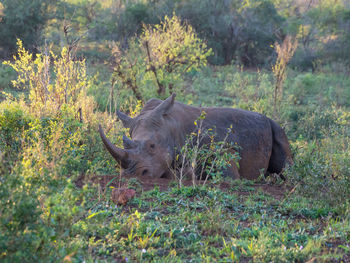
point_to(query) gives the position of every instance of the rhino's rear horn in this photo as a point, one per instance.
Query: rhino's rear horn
(128, 144)
(126, 120)
(119, 154)
(165, 106)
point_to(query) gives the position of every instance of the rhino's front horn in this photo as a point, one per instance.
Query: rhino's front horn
(165, 106)
(126, 120)
(117, 153)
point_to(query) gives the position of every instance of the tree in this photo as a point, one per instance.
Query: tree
(240, 30)
(25, 20)
(162, 56)
(172, 49)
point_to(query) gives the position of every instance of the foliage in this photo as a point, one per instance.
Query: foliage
(39, 148)
(322, 167)
(51, 155)
(235, 30)
(131, 20)
(7, 74)
(284, 53)
(23, 20)
(163, 55)
(203, 157)
(48, 95)
(13, 120)
(239, 31)
(1, 11)
(172, 50)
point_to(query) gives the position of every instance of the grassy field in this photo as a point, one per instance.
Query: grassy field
(234, 221)
(57, 179)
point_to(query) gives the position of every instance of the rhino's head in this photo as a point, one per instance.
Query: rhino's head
(151, 150)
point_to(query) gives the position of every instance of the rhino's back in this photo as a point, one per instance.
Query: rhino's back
(251, 131)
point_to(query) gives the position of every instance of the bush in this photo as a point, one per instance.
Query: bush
(23, 235)
(52, 90)
(132, 19)
(322, 167)
(13, 121)
(162, 56)
(44, 140)
(7, 74)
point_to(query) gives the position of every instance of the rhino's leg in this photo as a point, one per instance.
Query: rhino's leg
(281, 153)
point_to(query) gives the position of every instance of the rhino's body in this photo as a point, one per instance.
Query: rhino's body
(162, 127)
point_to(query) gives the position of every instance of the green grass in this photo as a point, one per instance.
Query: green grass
(206, 224)
(47, 218)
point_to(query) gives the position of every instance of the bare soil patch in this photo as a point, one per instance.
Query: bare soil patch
(276, 191)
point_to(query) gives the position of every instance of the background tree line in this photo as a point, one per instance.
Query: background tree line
(237, 31)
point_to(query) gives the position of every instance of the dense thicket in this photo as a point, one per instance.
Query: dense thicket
(239, 31)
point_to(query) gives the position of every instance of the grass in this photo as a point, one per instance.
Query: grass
(47, 217)
(207, 224)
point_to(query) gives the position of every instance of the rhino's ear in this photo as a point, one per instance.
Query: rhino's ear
(127, 143)
(165, 106)
(126, 120)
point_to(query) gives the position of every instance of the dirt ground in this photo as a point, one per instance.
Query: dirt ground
(276, 191)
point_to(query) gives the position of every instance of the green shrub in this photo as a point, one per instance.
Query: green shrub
(23, 235)
(133, 17)
(6, 76)
(14, 120)
(155, 65)
(44, 140)
(322, 167)
(324, 88)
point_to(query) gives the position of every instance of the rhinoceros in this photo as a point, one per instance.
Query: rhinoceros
(162, 126)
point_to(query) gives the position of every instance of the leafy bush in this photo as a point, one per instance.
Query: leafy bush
(6, 76)
(202, 157)
(133, 17)
(13, 121)
(320, 88)
(49, 94)
(322, 167)
(23, 235)
(162, 56)
(45, 139)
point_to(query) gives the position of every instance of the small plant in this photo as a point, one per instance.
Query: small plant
(202, 157)
(284, 53)
(134, 183)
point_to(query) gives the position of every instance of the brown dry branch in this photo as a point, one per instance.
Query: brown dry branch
(161, 88)
(284, 53)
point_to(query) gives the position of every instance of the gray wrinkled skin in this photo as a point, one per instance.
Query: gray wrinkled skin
(162, 127)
